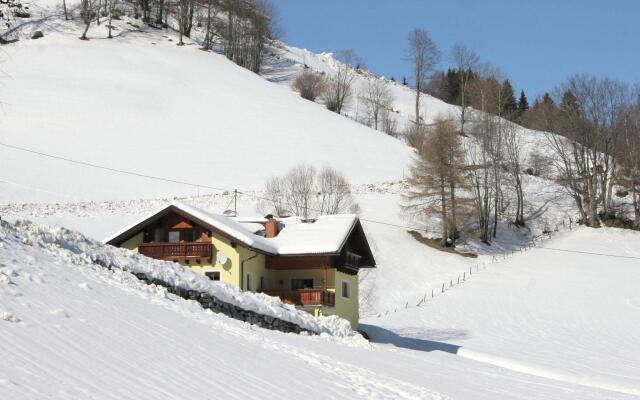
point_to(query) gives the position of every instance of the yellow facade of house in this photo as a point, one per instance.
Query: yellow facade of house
(246, 269)
(320, 283)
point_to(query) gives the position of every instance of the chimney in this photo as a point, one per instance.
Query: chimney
(271, 228)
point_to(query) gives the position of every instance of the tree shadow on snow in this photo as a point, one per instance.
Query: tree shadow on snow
(380, 335)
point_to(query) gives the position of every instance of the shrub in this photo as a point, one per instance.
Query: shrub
(310, 85)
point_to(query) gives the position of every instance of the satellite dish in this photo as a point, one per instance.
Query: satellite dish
(221, 258)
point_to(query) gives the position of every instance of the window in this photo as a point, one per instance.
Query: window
(174, 236)
(213, 275)
(190, 235)
(352, 260)
(346, 289)
(158, 235)
(304, 283)
(249, 283)
(262, 283)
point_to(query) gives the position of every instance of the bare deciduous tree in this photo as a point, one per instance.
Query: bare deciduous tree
(305, 193)
(414, 135)
(86, 13)
(248, 26)
(309, 84)
(424, 55)
(111, 4)
(212, 13)
(465, 61)
(334, 193)
(338, 89)
(275, 192)
(299, 184)
(389, 123)
(629, 176)
(513, 147)
(481, 173)
(376, 97)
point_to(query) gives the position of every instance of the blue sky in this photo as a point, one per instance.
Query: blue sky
(537, 43)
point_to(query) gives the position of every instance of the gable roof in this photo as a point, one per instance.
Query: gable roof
(326, 236)
(217, 223)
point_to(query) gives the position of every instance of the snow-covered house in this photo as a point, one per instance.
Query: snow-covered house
(312, 264)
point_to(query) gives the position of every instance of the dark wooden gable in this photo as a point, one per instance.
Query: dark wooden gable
(355, 252)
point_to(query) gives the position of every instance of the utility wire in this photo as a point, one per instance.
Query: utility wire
(121, 171)
(589, 253)
(158, 178)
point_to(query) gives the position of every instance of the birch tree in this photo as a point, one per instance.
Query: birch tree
(376, 97)
(465, 61)
(513, 147)
(424, 55)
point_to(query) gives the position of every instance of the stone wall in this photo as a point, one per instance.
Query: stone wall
(216, 305)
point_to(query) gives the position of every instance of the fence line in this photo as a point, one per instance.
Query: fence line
(533, 242)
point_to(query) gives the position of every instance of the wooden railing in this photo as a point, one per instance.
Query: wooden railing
(176, 250)
(305, 297)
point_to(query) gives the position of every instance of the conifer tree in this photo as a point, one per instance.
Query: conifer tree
(523, 103)
(435, 175)
(510, 107)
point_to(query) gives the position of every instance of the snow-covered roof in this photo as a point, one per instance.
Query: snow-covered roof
(326, 235)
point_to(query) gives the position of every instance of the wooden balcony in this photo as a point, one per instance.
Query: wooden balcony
(172, 251)
(305, 297)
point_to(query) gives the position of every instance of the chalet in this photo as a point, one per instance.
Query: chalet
(312, 264)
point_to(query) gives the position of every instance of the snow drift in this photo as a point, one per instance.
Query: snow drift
(75, 248)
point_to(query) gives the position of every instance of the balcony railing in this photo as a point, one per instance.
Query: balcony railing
(168, 251)
(305, 297)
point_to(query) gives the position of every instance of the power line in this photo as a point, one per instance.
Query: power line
(589, 253)
(121, 171)
(158, 178)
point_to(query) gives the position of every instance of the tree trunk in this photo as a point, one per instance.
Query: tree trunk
(64, 7)
(445, 222)
(84, 34)
(110, 18)
(462, 111)
(453, 231)
(418, 102)
(207, 38)
(189, 21)
(636, 206)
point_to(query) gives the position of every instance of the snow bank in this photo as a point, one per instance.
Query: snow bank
(75, 248)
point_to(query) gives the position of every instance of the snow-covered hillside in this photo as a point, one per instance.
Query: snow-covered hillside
(288, 62)
(565, 311)
(546, 323)
(141, 103)
(72, 329)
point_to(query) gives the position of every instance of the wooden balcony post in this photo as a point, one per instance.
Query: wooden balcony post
(324, 278)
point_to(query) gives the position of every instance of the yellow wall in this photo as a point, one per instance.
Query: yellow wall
(347, 308)
(253, 265)
(273, 279)
(134, 242)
